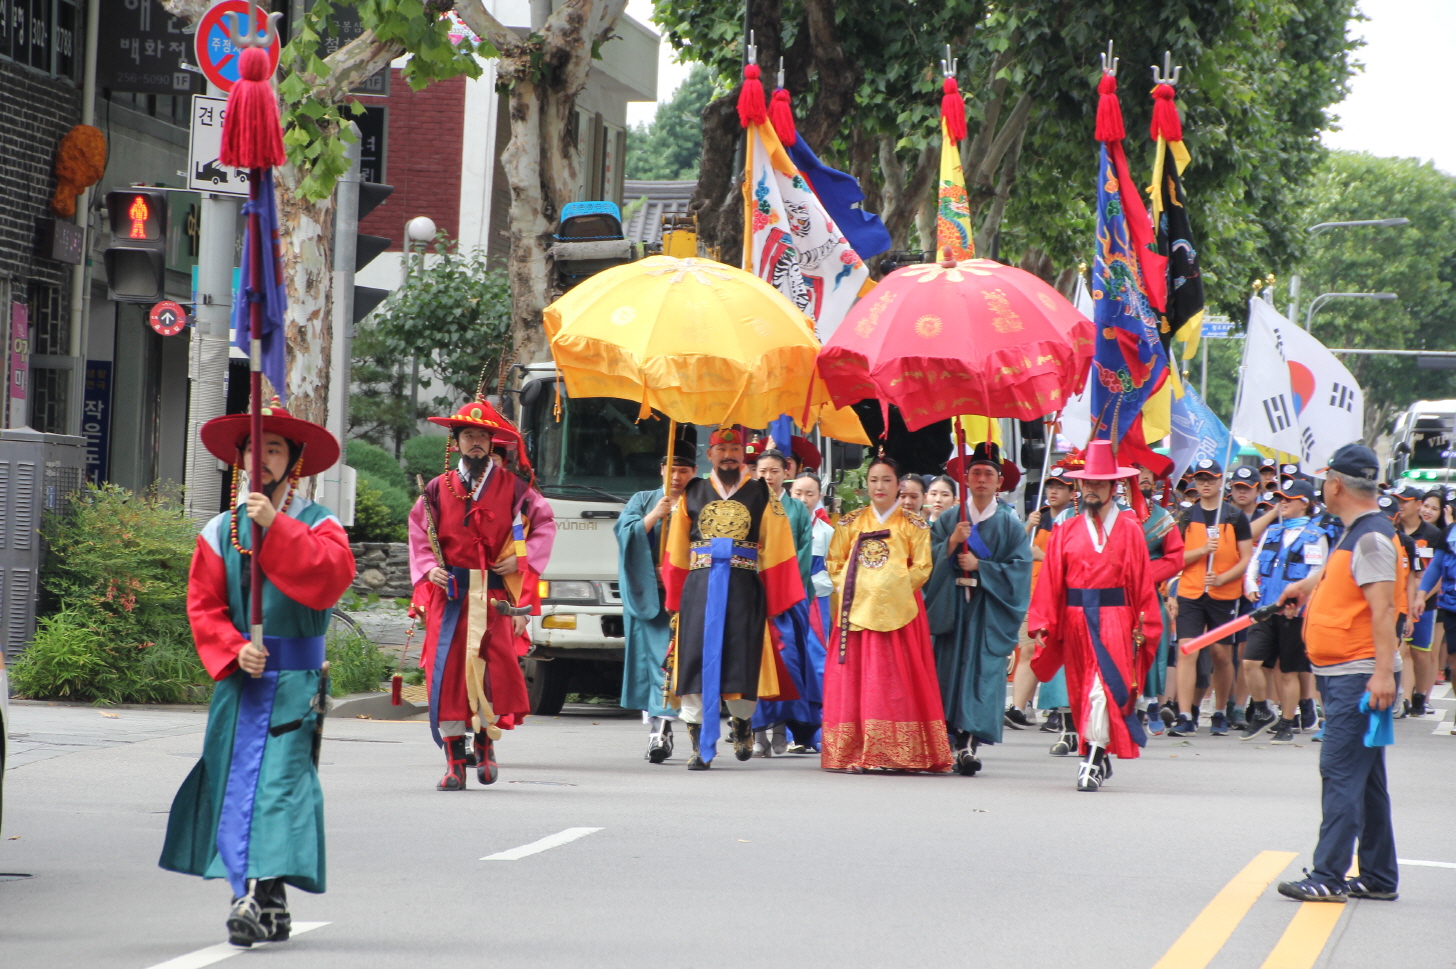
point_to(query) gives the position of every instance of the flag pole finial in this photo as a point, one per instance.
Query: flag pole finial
(1109, 63)
(752, 51)
(949, 66)
(1169, 73)
(256, 34)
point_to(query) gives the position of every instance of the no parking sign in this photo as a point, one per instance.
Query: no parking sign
(217, 55)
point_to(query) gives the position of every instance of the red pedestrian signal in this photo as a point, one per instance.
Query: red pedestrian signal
(139, 214)
(136, 260)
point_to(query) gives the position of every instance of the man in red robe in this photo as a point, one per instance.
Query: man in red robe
(1094, 611)
(479, 535)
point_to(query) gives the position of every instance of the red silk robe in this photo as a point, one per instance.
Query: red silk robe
(1073, 562)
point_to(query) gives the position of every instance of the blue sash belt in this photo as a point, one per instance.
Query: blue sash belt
(1091, 602)
(722, 550)
(294, 652)
(454, 600)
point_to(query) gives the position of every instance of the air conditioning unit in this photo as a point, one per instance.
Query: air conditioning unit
(38, 472)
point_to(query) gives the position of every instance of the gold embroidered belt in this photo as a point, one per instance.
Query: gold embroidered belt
(700, 557)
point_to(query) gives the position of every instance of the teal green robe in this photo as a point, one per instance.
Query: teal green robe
(647, 625)
(252, 806)
(973, 638)
(801, 522)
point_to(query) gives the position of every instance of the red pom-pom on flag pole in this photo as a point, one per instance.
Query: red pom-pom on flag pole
(1165, 115)
(953, 110)
(252, 136)
(781, 113)
(1109, 111)
(752, 108)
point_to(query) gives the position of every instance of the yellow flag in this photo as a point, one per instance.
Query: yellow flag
(953, 211)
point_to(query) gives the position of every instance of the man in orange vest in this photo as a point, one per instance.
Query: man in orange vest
(1349, 633)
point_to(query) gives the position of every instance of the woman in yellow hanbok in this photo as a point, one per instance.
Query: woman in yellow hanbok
(882, 706)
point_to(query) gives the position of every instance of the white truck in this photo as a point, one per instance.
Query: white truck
(588, 464)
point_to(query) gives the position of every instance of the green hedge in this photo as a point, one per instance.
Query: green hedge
(363, 456)
(425, 456)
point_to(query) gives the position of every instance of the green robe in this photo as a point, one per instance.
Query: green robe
(648, 627)
(802, 525)
(973, 638)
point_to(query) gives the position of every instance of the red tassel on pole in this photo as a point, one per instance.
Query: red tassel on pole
(1165, 115)
(1109, 111)
(781, 113)
(953, 110)
(252, 136)
(752, 108)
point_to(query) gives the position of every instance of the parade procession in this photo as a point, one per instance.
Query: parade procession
(800, 532)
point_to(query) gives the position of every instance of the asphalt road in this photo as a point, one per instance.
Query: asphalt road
(772, 863)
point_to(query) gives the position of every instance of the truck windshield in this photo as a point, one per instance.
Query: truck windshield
(598, 450)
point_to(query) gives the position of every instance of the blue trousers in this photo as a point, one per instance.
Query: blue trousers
(1355, 800)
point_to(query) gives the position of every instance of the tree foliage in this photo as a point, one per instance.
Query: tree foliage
(1257, 82)
(670, 147)
(452, 316)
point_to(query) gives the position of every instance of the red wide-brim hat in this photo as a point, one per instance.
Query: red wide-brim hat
(223, 437)
(479, 413)
(1102, 465)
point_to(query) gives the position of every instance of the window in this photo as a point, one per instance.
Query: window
(42, 34)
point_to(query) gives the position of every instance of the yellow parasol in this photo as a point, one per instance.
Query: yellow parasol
(699, 341)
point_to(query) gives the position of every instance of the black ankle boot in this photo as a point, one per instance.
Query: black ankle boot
(695, 731)
(742, 732)
(454, 779)
(486, 769)
(245, 919)
(273, 900)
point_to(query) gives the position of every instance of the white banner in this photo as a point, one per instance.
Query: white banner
(1297, 396)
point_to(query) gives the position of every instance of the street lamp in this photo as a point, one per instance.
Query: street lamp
(420, 229)
(1323, 298)
(1320, 229)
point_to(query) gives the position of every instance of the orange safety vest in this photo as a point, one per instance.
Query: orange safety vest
(1337, 624)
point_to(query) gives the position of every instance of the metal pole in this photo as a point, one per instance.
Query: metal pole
(1294, 284)
(211, 338)
(80, 281)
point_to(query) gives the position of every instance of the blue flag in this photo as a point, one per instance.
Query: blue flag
(273, 295)
(840, 194)
(1197, 433)
(1128, 362)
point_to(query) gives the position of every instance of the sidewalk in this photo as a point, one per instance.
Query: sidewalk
(40, 730)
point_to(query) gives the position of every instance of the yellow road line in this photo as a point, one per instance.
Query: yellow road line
(1305, 938)
(1201, 941)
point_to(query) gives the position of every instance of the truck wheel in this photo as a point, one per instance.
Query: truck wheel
(546, 684)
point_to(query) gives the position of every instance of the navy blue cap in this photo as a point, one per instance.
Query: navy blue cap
(1060, 475)
(1409, 492)
(1206, 466)
(1245, 475)
(1268, 463)
(1356, 460)
(1295, 488)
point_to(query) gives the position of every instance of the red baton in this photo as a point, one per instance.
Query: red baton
(1228, 629)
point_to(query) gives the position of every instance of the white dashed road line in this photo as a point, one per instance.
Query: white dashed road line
(221, 951)
(535, 847)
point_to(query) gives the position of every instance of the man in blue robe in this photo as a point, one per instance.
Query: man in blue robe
(639, 531)
(977, 596)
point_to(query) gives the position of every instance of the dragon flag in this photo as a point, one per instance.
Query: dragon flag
(953, 208)
(789, 241)
(1183, 313)
(1129, 363)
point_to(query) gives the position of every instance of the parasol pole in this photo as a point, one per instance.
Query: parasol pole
(667, 488)
(965, 489)
(1046, 456)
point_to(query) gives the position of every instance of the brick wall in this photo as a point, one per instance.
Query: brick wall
(37, 113)
(426, 136)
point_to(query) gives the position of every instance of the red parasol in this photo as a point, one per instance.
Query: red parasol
(949, 338)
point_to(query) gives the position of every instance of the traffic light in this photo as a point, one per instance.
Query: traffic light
(136, 260)
(366, 247)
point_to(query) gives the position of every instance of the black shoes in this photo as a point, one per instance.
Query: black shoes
(245, 922)
(1259, 721)
(261, 915)
(1283, 732)
(1016, 719)
(1418, 705)
(742, 734)
(659, 746)
(966, 761)
(1358, 887)
(1053, 722)
(696, 762)
(1093, 770)
(486, 770)
(1311, 889)
(454, 779)
(1067, 741)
